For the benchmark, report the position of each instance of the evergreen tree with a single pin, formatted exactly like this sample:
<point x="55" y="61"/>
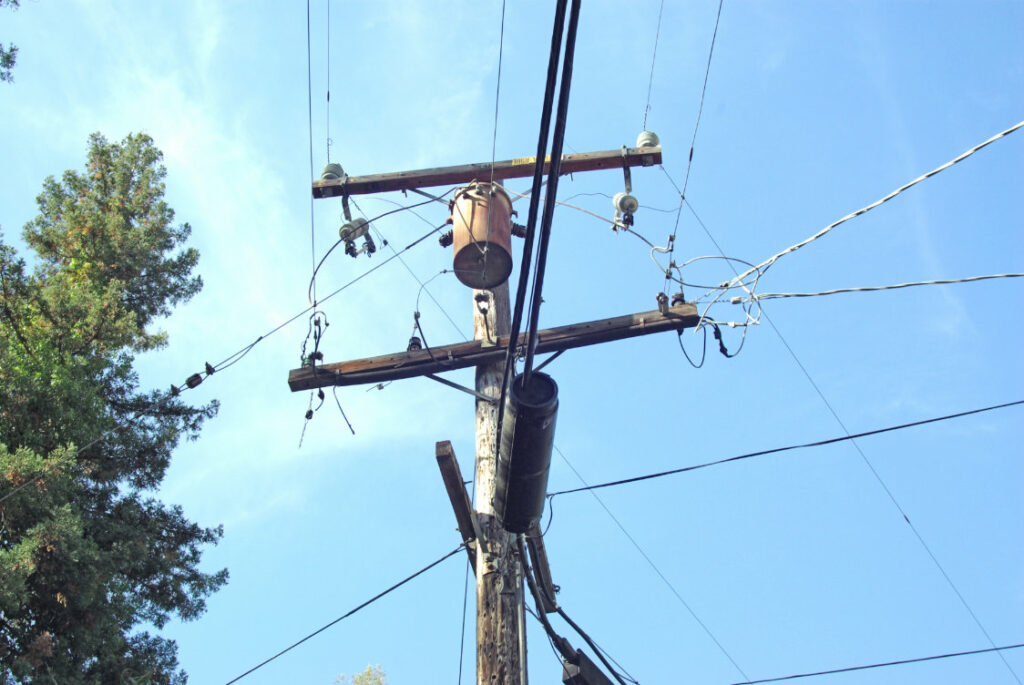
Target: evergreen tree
<point x="9" y="54"/>
<point x="88" y="557"/>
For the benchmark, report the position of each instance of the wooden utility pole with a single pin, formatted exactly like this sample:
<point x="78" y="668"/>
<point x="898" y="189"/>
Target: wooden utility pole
<point x="499" y="594"/>
<point x="500" y="631"/>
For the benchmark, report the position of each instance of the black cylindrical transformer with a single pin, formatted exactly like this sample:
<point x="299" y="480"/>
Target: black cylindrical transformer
<point x="524" y="458"/>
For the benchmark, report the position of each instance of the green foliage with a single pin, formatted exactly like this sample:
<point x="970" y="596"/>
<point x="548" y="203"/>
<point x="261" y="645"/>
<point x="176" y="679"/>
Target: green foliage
<point x="86" y="556"/>
<point x="8" y="54"/>
<point x="373" y="675"/>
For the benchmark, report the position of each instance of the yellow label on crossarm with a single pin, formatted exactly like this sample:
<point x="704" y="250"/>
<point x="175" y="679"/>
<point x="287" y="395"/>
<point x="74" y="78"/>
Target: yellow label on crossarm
<point x="528" y="160"/>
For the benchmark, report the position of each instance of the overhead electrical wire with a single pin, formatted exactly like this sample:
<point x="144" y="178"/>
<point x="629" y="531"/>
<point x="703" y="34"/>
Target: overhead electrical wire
<point x="347" y="614"/>
<point x="309" y="96"/>
<point x="497" y="95"/>
<point x="700" y="106"/>
<point x="776" y="450"/>
<point x="654" y="56"/>
<point x="763" y="266"/>
<point x="869" y="289"/>
<point x="560" y="643"/>
<point x="237" y="356"/>
<point x="882" y="664"/>
<point x="422" y="284"/>
<point x="758" y="269"/>
<point x="895" y="502"/>
<point x="312" y="280"/>
<point x="328" y="106"/>
<point x="693" y="139"/>
<point x="650" y="562"/>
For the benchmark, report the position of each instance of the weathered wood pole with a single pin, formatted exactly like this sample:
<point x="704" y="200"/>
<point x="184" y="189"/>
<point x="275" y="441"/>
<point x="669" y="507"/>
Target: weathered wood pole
<point x="498" y="574"/>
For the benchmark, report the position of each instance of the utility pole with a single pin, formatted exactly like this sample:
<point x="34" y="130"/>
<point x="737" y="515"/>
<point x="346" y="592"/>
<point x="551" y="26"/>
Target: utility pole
<point x="494" y="552"/>
<point x="499" y="596"/>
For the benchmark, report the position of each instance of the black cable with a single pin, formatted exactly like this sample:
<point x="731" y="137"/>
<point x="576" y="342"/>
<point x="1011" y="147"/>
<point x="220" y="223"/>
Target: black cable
<point x="554" y="170"/>
<point x="654" y="567"/>
<point x="899" y="507"/>
<point x="835" y="415"/>
<point x="704" y="348"/>
<point x="881" y="664"/>
<point x="346" y="615"/>
<point x="237" y="356"/>
<point x="561" y="643"/>
<point x="550" y="359"/>
<point x="423" y="284"/>
<point x="818" y="443"/>
<point x="312" y="280"/>
<point x="586" y="638"/>
<point x="334" y="389"/>
<point x="531" y="220"/>
<point x="551" y="643"/>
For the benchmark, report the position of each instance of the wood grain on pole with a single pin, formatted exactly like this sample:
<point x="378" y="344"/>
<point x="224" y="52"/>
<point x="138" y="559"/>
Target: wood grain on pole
<point x="497" y="573"/>
<point x="465" y="173"/>
<point x="398" y="365"/>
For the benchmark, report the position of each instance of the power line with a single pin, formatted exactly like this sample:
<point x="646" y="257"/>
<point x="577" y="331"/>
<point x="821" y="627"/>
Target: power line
<point x="349" y="613"/>
<point x="763" y="266"/>
<point x="497" y="97"/>
<point x="882" y="664"/>
<point x="328" y="125"/>
<point x="312" y="281"/>
<point x="693" y="140"/>
<point x="237" y="356"/>
<point x="557" y="640"/>
<point x="892" y="497"/>
<point x="856" y="446"/>
<point x="422" y="284"/>
<point x="700" y="107"/>
<point x="309" y="97"/>
<point x="654" y="56"/>
<point x="868" y="289"/>
<point x="775" y="450"/>
<point x="648" y="559"/>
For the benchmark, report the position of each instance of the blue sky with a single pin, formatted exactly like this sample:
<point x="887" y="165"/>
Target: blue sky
<point x="794" y="562"/>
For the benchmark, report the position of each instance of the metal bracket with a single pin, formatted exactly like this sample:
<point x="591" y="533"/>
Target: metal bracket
<point x="453" y="384"/>
<point x="625" y="170"/>
<point x="344" y="202"/>
<point x="432" y="197"/>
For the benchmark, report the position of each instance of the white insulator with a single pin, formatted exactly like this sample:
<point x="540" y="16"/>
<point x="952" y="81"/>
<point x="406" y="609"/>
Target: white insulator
<point x="353" y="229"/>
<point x="332" y="172"/>
<point x="647" y="139"/>
<point x="625" y="203"/>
